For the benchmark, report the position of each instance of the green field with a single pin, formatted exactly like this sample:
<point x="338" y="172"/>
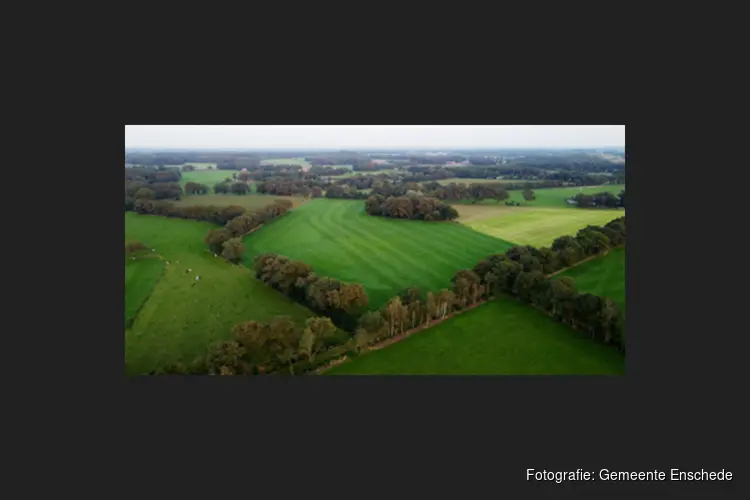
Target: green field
<point x="503" y="337"/>
<point x="141" y="275"/>
<point x="531" y="225"/>
<point x="249" y="201"/>
<point x="179" y="321"/>
<point x="208" y="177"/>
<point x="604" y="276"/>
<point x="385" y="255"/>
<point x="285" y="161"/>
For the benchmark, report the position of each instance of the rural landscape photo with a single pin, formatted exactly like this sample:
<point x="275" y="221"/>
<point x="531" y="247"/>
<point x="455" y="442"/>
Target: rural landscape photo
<point x="374" y="250"/>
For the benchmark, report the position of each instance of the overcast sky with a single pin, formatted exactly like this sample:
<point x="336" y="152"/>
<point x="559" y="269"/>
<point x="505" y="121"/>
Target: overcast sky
<point x="373" y="136"/>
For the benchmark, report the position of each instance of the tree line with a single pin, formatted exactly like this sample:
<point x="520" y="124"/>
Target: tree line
<point x="410" y="207"/>
<point x="342" y="302"/>
<point x="605" y="199"/>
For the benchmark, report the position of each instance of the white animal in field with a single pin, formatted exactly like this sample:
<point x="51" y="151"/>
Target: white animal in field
<point x="197" y="278"/>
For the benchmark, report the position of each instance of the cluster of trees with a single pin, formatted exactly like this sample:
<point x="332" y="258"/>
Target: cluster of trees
<point x="196" y="188"/>
<point x="227" y="187"/>
<point x="285" y="187"/>
<point x="258" y="348"/>
<point x="410" y="207"/>
<point x="342" y="302"/>
<point x="188" y="168"/>
<point x="605" y="199"/>
<point x="151" y="175"/>
<point x="152" y="184"/>
<point x="156" y="191"/>
<point x="327" y="171"/>
<point x="345" y="192"/>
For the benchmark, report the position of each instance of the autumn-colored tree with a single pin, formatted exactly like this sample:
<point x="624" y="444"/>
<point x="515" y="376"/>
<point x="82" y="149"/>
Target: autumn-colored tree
<point x="229" y="355"/>
<point x="430" y="307"/>
<point x="216" y="238"/>
<point x="396" y="316"/>
<point x="284" y="341"/>
<point x="317" y="331"/>
<point x="352" y="297"/>
<point x="252" y="335"/>
<point x="233" y="250"/>
<point x="444" y="301"/>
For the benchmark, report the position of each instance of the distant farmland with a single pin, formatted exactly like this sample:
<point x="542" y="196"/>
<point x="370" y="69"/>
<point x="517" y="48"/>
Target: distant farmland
<point x="208" y="177"/>
<point x="286" y="161"/>
<point x="532" y="226"/>
<point x="385" y="255"/>
<point x="502" y="337"/>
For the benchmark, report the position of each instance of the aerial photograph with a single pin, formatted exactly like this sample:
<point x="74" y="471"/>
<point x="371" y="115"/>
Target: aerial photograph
<point x="298" y="250"/>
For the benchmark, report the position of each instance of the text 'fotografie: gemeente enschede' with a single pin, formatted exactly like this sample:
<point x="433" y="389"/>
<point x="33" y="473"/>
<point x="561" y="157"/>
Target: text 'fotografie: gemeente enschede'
<point x="610" y="475"/>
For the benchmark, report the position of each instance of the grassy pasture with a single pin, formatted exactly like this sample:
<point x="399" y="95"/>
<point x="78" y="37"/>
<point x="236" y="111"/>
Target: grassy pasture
<point x="179" y="321"/>
<point x="531" y="225"/>
<point x="208" y="177"/>
<point x="249" y="201"/>
<point x="502" y="337"/>
<point x="604" y="276"/>
<point x="385" y="255"/>
<point x="141" y="275"/>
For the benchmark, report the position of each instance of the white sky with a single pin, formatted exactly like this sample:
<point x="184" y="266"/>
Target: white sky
<point x="373" y="136"/>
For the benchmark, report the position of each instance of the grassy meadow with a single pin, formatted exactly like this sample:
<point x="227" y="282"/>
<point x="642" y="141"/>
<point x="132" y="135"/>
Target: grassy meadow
<point x="385" y="255"/>
<point x="604" y="276"/>
<point x="502" y="337"/>
<point x="531" y="225"/>
<point x="141" y="275"/>
<point x="182" y="317"/>
<point x="208" y="177"/>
